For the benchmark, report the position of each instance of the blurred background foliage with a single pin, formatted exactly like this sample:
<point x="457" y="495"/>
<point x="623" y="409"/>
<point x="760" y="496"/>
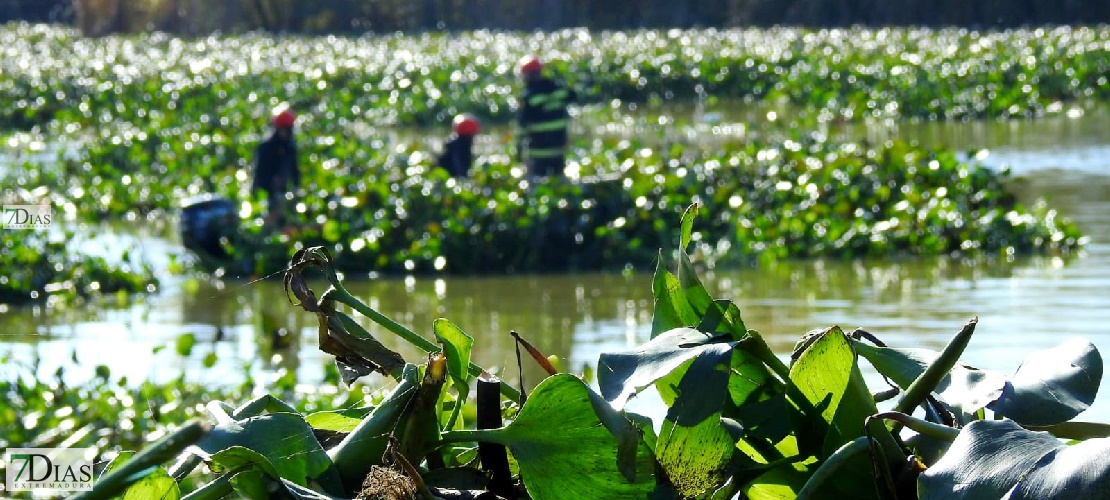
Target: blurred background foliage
<point x="191" y="17"/>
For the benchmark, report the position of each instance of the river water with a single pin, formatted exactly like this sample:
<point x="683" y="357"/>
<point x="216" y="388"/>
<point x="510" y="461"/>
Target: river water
<point x="1022" y="305"/>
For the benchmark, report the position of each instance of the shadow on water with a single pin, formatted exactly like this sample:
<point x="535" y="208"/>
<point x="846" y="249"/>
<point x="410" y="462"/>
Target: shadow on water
<point x="1022" y="304"/>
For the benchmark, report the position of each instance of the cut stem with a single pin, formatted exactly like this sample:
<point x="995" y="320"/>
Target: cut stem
<point x="495" y="458"/>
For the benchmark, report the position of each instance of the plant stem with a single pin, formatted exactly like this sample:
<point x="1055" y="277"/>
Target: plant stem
<point x="923" y="427"/>
<point x="340" y="294"/>
<point x="829" y="468"/>
<point x="928" y="380"/>
<point x="472" y="436"/>
<point x="215" y="490"/>
<point x="118" y="480"/>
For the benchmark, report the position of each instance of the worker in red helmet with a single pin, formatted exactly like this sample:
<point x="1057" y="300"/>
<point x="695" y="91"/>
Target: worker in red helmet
<point x="276" y="172"/>
<point x="543" y="120"/>
<point x="457" y="155"/>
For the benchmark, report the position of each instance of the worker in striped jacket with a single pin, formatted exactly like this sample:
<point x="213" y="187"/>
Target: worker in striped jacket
<point x="543" y="121"/>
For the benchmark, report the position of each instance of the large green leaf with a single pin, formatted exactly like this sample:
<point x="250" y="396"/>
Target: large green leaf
<point x="255" y="476"/>
<point x="693" y="447"/>
<point x="157" y="485"/>
<point x="285" y="439"/>
<point x="827" y="374"/>
<point x="996" y="458"/>
<point x="1078" y="471"/>
<point x="965" y="389"/>
<point x="344" y="420"/>
<point x="1052" y="385"/>
<point x="559" y="421"/>
<point x="621" y="375"/>
<point x="253" y="473"/>
<point x="822" y="373"/>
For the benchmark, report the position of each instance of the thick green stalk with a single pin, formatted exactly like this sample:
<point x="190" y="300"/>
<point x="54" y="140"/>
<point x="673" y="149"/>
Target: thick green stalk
<point x="215" y="490"/>
<point x="473" y="436"/>
<point x="829" y="468"/>
<point x="118" y="480"/>
<point x="928" y="380"/>
<point x="340" y="294"/>
<point x="923" y="427"/>
<point x="364" y="445"/>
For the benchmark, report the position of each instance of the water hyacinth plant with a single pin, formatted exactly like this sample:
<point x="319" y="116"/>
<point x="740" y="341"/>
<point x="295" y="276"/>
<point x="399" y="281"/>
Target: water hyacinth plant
<point x="129" y="126"/>
<point x="738" y="420"/>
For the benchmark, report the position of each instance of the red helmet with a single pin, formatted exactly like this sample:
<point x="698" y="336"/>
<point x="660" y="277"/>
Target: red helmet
<point x="285" y="118"/>
<point x="466" y="124"/>
<point x="530" y="64"/>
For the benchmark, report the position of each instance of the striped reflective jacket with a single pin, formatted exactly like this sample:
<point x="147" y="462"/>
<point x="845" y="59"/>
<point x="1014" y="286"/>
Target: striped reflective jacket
<point x="543" y="118"/>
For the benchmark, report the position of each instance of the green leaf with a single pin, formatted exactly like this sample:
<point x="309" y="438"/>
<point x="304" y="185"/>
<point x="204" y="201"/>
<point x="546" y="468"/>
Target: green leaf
<point x="265" y="403"/>
<point x="827" y="374"/>
<point x="1052" y="385"/>
<point x="456" y="346"/>
<point x="184" y="344"/>
<point x="723" y="316"/>
<point x="252" y="472"/>
<point x="822" y="374"/>
<point x="234" y="457"/>
<point x="338" y="420"/>
<point x="251" y="484"/>
<point x="780" y="483"/>
<point x="693" y="447"/>
<point x="672" y="309"/>
<point x="965" y="389"/>
<point x="621" y="375"/>
<point x="688" y="217"/>
<point x="1081" y="470"/>
<point x="547" y="439"/>
<point x="330" y="231"/>
<point x="995" y="458"/>
<point x="157" y="485"/>
<point x="749" y="375"/>
<point x="285" y="439"/>
<point x="693" y="290"/>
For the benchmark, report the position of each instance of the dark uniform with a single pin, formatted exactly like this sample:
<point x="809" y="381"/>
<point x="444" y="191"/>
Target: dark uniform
<point x="457" y="155"/>
<point x="276" y="171"/>
<point x="543" y="120"/>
